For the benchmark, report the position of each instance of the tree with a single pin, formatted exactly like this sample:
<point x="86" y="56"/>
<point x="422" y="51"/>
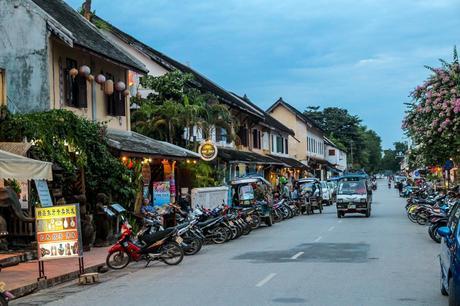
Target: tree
<point x="176" y="106"/>
<point x="345" y="130"/>
<point x="433" y="116"/>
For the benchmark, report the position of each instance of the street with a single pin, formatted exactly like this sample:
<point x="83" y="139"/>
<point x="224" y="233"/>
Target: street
<point x="307" y="260"/>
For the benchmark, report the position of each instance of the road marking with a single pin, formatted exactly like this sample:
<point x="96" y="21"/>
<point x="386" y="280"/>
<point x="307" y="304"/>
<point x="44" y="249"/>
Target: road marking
<point x="297" y="255"/>
<point x="266" y="280"/>
<point x="331" y="228"/>
<point x="317" y="239"/>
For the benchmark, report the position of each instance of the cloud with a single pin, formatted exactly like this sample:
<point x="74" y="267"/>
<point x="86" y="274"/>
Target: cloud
<point x="366" y="55"/>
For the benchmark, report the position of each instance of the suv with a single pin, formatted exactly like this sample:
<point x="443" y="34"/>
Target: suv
<point x="353" y="196"/>
<point x="450" y="257"/>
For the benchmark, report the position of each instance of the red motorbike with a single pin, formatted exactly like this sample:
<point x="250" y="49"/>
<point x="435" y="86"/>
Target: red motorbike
<point x="162" y="246"/>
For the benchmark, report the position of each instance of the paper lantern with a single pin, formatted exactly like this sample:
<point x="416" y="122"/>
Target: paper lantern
<point x="108" y="88"/>
<point x="126" y="92"/>
<point x="73" y="72"/>
<point x="84" y="71"/>
<point x="90" y="78"/>
<point x="100" y="79"/>
<point x="120" y="86"/>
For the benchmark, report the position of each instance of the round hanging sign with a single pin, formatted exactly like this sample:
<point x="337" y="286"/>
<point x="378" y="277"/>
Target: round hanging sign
<point x="207" y="151"/>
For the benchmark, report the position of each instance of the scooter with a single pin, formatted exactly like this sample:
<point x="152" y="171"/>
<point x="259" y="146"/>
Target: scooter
<point x="163" y="246"/>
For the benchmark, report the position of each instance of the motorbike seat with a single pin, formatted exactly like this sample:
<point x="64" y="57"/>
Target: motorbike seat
<point x="207" y="222"/>
<point x="157" y="236"/>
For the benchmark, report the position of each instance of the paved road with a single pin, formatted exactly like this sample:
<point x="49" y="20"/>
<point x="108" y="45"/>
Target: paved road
<point x="308" y="260"/>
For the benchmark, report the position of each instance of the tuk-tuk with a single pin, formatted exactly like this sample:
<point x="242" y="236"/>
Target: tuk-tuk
<point x="310" y="191"/>
<point x="254" y="191"/>
<point x="354" y="195"/>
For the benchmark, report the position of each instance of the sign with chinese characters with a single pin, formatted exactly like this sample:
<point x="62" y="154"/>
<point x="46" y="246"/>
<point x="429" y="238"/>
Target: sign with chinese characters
<point x="43" y="193"/>
<point x="207" y="150"/>
<point x="58" y="232"/>
<point x="161" y="193"/>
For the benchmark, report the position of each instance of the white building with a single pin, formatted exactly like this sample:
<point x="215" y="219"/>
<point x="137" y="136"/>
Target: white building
<point x="336" y="158"/>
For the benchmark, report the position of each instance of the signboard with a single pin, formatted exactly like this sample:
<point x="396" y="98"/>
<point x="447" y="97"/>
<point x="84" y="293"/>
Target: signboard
<point x="161" y="193"/>
<point x="43" y="193"/>
<point x="24" y="196"/>
<point x="58" y="232"/>
<point x="207" y="150"/>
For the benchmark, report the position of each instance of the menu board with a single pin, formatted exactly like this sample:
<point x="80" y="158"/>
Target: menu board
<point x="58" y="232"/>
<point x="43" y="193"/>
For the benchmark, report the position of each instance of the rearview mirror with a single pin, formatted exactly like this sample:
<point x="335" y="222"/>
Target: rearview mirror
<point x="444" y="231"/>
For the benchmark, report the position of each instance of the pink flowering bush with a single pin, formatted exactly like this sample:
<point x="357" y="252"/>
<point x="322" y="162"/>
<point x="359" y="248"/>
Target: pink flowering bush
<point x="433" y="117"/>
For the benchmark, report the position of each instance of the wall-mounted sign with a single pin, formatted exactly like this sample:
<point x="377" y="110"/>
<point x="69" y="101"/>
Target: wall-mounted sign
<point x="207" y="150"/>
<point x="58" y="232"/>
<point x="43" y="193"/>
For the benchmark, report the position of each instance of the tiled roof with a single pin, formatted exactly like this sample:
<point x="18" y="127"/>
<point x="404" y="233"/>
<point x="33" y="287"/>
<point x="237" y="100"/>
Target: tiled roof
<point x="85" y="34"/>
<point x="234" y="156"/>
<point x="268" y="119"/>
<point x="294" y="110"/>
<point x="132" y="142"/>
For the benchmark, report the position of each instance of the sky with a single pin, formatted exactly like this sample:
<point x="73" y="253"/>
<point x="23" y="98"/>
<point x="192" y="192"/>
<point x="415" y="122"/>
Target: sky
<point x="362" y="55"/>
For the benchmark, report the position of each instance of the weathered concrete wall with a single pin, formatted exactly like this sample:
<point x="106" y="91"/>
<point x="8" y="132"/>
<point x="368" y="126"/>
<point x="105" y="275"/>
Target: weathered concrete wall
<point x="24" y="56"/>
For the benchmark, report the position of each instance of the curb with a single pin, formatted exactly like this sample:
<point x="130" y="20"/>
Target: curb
<point x="17" y="259"/>
<point x="50" y="282"/>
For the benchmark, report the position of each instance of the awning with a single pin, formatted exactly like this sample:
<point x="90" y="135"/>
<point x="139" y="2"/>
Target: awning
<point x="133" y="143"/>
<point x="291" y="162"/>
<point x="18" y="167"/>
<point x="236" y="157"/>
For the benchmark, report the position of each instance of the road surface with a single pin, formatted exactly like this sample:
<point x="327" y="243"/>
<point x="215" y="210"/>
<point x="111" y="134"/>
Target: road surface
<point x="308" y="260"/>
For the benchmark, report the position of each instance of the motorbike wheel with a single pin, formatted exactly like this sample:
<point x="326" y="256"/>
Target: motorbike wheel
<point x="219" y="235"/>
<point x="285" y="212"/>
<point x="171" y="253"/>
<point x="195" y="245"/>
<point x="412" y="217"/>
<point x="255" y="221"/>
<point x="433" y="231"/>
<point x="421" y="219"/>
<point x="277" y="216"/>
<point x="247" y="229"/>
<point x="117" y="260"/>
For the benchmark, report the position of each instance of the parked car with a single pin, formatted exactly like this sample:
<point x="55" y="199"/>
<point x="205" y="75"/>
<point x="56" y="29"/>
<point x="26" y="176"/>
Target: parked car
<point x="450" y="257"/>
<point x="353" y="196"/>
<point x="327" y="193"/>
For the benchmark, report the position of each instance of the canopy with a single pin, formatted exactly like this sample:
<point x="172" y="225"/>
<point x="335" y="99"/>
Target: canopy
<point x="18" y="167"/>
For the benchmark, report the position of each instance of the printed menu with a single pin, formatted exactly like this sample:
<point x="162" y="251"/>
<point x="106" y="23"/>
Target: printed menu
<point x="58" y="232"/>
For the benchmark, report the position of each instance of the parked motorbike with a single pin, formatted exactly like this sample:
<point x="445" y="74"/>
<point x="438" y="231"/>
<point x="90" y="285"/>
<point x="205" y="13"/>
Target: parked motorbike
<point x="162" y="246"/>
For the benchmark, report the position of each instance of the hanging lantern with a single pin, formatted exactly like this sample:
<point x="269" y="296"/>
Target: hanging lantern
<point x="84" y="71"/>
<point x="90" y="78"/>
<point x="108" y="88"/>
<point x="73" y="72"/>
<point x="120" y="86"/>
<point x="126" y="92"/>
<point x="100" y="79"/>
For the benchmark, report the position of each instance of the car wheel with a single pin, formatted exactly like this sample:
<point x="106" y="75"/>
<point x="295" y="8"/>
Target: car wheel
<point x="452" y="294"/>
<point x="368" y="213"/>
<point x="339" y="214"/>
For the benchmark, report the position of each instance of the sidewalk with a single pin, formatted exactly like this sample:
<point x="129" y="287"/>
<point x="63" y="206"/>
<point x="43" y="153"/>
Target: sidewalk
<point x="22" y="279"/>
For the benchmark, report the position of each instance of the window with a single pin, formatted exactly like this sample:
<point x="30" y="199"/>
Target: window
<point x="331" y="152"/>
<point x="243" y="136"/>
<point x="2" y="87"/>
<point x="221" y="135"/>
<point x="286" y="146"/>
<point x="256" y="143"/>
<point x="75" y="88"/>
<point x="279" y="144"/>
<point x="265" y="141"/>
<point x="116" y="104"/>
